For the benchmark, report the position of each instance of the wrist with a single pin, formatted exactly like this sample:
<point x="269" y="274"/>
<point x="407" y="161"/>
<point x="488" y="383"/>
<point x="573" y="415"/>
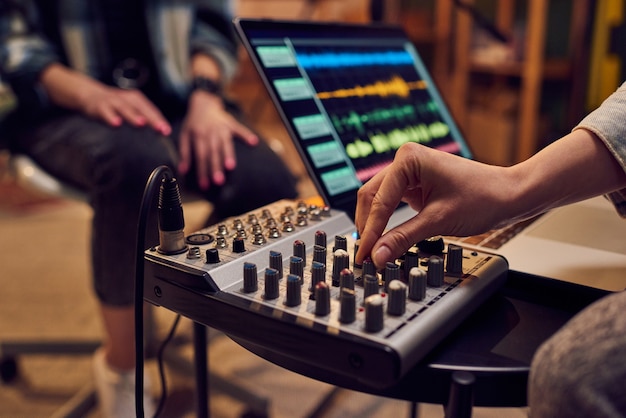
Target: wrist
<point x="208" y="85"/>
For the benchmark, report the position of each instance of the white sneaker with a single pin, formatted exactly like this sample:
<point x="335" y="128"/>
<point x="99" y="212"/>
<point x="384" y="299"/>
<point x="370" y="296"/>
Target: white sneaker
<point x="116" y="390"/>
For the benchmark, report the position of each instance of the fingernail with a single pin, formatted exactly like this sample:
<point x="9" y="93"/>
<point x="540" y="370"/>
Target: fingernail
<point x="382" y="255"/>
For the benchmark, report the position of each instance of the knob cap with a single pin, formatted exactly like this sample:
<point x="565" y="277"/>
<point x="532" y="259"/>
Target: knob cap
<point x="212" y="256"/>
<point x="346" y="279"/>
<point x="294" y="290"/>
<point x="239" y="245"/>
<point x="454" y="262"/>
<point x="341" y="261"/>
<point x="417" y="284"/>
<point x="396" y="301"/>
<point x="250" y="278"/>
<point x="374" y="320"/>
<point x="434" y="245"/>
<point x="271" y="284"/>
<point x="276" y="262"/>
<point x="299" y="250"/>
<point x="322" y="299"/>
<point x="296" y="267"/>
<point x="370" y="285"/>
<point x="318" y="275"/>
<point x="347" y="302"/>
<point x="435" y="273"/>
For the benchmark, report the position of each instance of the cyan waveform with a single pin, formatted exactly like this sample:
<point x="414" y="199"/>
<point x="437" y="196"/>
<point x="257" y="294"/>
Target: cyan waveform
<point x="383" y="142"/>
<point x="396" y="86"/>
<point x="352" y="59"/>
<point x="400" y="113"/>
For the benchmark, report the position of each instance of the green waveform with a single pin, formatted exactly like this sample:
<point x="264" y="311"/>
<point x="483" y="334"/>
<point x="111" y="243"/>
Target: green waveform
<point x="381" y="143"/>
<point x="401" y="114"/>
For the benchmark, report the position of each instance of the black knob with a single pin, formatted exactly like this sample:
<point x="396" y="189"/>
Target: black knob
<point x="271" y="284"/>
<point x="250" y="278"/>
<point x="417" y="284"/>
<point x="318" y="275"/>
<point x="299" y="250"/>
<point x="239" y="245"/>
<point x="294" y="290"/>
<point x="320" y="238"/>
<point x="322" y="299"/>
<point x="276" y="262"/>
<point x="454" y="262"/>
<point x="396" y="301"/>
<point x="347" y="306"/>
<point x="435" y="273"/>
<point x="212" y="256"/>
<point x="341" y="260"/>
<point x="346" y="279"/>
<point x="296" y="267"/>
<point x="434" y="245"/>
<point x="370" y="285"/>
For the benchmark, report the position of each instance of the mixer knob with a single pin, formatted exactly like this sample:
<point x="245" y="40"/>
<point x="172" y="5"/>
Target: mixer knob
<point x="237" y="224"/>
<point x="341" y="243"/>
<point x="391" y="272"/>
<point x="322" y="299"/>
<point x="271" y="284"/>
<point x="325" y="211"/>
<point x="212" y="256"/>
<point x="347" y="306"/>
<point x="411" y="259"/>
<point x="320" y="238"/>
<point x="250" y="278"/>
<point x="299" y="250"/>
<point x="270" y="223"/>
<point x="370" y="285"/>
<point x="294" y="290"/>
<point x="346" y="279"/>
<point x="241" y="233"/>
<point x="396" y="302"/>
<point x="220" y="242"/>
<point x="318" y="275"/>
<point x="239" y="245"/>
<point x="319" y="254"/>
<point x="296" y="267"/>
<point x="252" y="219"/>
<point x="368" y="267"/>
<point x="256" y="229"/>
<point x="276" y="262"/>
<point x="454" y="263"/>
<point x="417" y="284"/>
<point x="341" y="261"/>
<point x="435" y="273"/>
<point x="374" y="320"/>
<point x="434" y="245"/>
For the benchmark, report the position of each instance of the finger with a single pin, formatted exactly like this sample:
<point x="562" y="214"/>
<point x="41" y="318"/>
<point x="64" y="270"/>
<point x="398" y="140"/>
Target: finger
<point x="152" y="115"/>
<point x="243" y="132"/>
<point x="230" y="157"/>
<point x="219" y="139"/>
<point x="184" y="149"/>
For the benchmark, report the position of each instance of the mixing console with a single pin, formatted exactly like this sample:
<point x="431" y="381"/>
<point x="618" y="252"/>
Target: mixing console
<point x="283" y="278"/>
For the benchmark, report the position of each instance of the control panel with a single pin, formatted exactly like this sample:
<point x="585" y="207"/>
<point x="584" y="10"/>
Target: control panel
<point x="283" y="279"/>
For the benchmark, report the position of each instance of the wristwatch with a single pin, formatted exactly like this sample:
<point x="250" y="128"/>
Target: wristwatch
<point x="206" y="84"/>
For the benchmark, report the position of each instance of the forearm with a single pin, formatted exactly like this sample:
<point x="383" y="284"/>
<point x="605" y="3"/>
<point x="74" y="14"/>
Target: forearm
<point x="576" y="167"/>
<point x="68" y="88"/>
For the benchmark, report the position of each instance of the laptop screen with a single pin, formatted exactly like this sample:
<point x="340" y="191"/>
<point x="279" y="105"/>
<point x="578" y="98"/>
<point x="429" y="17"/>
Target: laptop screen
<point x="350" y="95"/>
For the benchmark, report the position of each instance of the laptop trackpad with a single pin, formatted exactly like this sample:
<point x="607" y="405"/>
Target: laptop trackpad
<point x="592" y="226"/>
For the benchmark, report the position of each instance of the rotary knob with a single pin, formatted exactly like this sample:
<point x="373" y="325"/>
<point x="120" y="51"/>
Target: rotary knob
<point x="396" y="301"/>
<point x="370" y="285"/>
<point x="276" y="262"/>
<point x="374" y="319"/>
<point x="212" y="256"/>
<point x="318" y="275"/>
<point x="435" y="273"/>
<point x="296" y="267"/>
<point x="346" y="279"/>
<point x="454" y="262"/>
<point x="322" y="299"/>
<point x="347" y="306"/>
<point x="271" y="284"/>
<point x="299" y="250"/>
<point x="250" y="278"/>
<point x="417" y="284"/>
<point x="294" y="291"/>
<point x="341" y="260"/>
<point x="434" y="245"/>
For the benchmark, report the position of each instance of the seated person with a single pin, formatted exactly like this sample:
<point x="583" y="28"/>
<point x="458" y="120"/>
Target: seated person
<point x="107" y="91"/>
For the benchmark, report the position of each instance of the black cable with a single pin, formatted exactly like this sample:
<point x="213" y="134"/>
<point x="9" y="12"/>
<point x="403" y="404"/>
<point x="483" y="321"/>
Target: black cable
<point x="146" y="203"/>
<point x="160" y="353"/>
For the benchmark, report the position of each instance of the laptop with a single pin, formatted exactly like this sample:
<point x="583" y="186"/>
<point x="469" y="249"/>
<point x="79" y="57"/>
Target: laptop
<point x="351" y="94"/>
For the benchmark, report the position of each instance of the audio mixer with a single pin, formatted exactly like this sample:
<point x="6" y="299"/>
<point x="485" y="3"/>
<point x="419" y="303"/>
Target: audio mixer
<point x="283" y="278"/>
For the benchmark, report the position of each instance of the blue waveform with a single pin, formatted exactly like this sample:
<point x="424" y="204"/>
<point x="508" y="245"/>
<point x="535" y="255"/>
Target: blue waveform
<point x="353" y="59"/>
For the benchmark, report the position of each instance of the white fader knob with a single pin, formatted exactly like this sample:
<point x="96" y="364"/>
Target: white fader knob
<point x="374" y="320"/>
<point x="396" y="303"/>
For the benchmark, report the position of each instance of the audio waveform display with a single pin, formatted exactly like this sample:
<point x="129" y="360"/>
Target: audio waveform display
<point x="396" y="86"/>
<point x="377" y="116"/>
<point x="384" y="142"/>
<point x="319" y="60"/>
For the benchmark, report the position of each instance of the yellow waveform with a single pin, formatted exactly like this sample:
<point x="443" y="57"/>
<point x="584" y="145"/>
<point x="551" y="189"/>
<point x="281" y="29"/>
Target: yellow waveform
<point x="396" y="86"/>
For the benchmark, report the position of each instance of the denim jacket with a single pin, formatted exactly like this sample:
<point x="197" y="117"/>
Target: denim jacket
<point x="608" y="122"/>
<point x="177" y="29"/>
